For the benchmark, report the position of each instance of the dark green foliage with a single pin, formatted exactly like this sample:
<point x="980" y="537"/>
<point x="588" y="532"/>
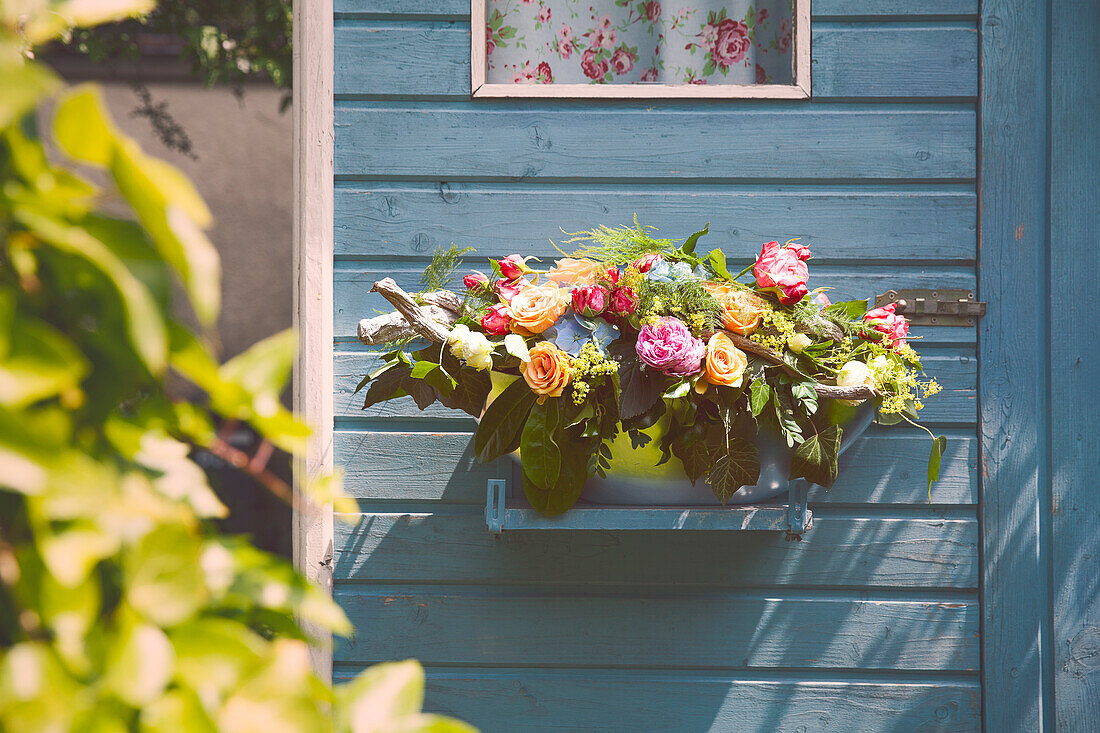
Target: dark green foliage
<point x="816" y="458"/>
<point x="499" y="430"/>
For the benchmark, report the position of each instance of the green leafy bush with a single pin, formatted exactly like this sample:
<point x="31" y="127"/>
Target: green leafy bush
<point x="121" y="607"/>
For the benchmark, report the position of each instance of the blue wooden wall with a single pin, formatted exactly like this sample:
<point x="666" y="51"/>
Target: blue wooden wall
<point x="872" y="622"/>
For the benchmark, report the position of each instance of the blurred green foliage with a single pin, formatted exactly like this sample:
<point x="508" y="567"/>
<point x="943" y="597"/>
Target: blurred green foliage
<point x="121" y="607"/>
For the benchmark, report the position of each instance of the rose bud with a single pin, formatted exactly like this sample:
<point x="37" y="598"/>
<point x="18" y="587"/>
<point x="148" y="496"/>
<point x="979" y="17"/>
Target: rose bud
<point x="474" y="281"/>
<point x="589" y="300"/>
<point x="496" y="322"/>
<point x="643" y="263"/>
<point x="798" y="342"/>
<point x="793" y="293"/>
<point x="512" y="267"/>
<point x="623" y="301"/>
<point x="612" y="275"/>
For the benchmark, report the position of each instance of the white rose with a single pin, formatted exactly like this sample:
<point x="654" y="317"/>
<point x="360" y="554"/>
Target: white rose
<point x="854" y="374"/>
<point x="457" y="339"/>
<point x="517" y="347"/>
<point x="479" y="352"/>
<point x="798" y="342"/>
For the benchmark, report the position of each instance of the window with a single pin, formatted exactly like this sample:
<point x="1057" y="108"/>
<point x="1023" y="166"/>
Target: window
<point x="641" y="48"/>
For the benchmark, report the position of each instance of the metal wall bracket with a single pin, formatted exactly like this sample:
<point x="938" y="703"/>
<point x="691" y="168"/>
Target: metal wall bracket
<point x="935" y="307"/>
<point x="494" y="505"/>
<point x="798" y="518"/>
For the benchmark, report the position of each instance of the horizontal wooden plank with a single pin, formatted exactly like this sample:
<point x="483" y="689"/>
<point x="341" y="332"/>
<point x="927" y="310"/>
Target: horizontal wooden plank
<point x="848" y="60"/>
<point x="887" y="467"/>
<point x="840" y="550"/>
<point x="639" y="700"/>
<point x="819" y="8"/>
<point x="725" y="629"/>
<point x="536" y="140"/>
<point x="354" y="279"/>
<point x="414" y="219"/>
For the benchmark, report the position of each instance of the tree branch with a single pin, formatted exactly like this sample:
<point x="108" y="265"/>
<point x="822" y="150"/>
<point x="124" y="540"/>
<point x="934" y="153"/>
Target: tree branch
<point x="418" y="318"/>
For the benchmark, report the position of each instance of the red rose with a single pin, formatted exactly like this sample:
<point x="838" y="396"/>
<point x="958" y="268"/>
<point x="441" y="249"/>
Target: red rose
<point x="592" y="68"/>
<point x="474" y="280"/>
<point x="543" y="74"/>
<point x="612" y="275"/>
<point x="508" y="288"/>
<point x="643" y="263"/>
<point x="589" y="300"/>
<point x="783" y="270"/>
<point x="496" y="322"/>
<point x="512" y="267"/>
<point x="652" y="11"/>
<point x="624" y="301"/>
<point x="894" y="326"/>
<point x="731" y="42"/>
<point x="622" y="61"/>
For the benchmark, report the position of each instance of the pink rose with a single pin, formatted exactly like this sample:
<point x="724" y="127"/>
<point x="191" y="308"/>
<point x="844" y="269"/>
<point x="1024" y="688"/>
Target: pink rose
<point x="784" y="270"/>
<point x="589" y="300"/>
<point x="474" y="280"/>
<point x="543" y="14"/>
<point x="643" y="263"/>
<point x="592" y="68"/>
<point x="496" y="322"/>
<point x="622" y="61"/>
<point x="508" y="288"/>
<point x="566" y="42"/>
<point x="543" y="74"/>
<point x="612" y="275"/>
<point x="730" y="43"/>
<point x="652" y="11"/>
<point x="821" y="299"/>
<point x="512" y="267"/>
<point x="650" y="74"/>
<point x="623" y="301"/>
<point x="669" y="347"/>
<point x="890" y="323"/>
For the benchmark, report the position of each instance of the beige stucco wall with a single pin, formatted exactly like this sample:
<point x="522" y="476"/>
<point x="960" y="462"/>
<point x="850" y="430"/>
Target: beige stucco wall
<point x="243" y="170"/>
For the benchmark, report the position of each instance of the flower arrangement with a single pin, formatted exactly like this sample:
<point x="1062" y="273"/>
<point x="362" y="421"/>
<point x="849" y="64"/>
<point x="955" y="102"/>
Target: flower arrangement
<point x="632" y="331"/>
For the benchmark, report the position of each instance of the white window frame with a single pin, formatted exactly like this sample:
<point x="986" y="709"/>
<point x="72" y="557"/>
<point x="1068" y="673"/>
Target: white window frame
<point x="799" y="88"/>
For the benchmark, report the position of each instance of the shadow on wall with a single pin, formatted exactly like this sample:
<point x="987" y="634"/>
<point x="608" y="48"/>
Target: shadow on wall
<point x="870" y="623"/>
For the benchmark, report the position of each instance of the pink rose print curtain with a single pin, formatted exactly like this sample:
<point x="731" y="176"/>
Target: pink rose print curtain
<point x="638" y="41"/>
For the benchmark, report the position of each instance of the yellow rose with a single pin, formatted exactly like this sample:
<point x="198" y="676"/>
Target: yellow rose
<point x="537" y="308"/>
<point x="571" y="271"/>
<point x="725" y="364"/>
<point x="547" y="372"/>
<point x="741" y="309"/>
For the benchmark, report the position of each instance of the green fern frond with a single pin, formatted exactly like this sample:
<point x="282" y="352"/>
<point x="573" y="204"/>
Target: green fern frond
<point x="619" y="245"/>
<point x="440" y="272"/>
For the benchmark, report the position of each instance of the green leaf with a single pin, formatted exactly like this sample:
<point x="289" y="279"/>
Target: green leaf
<point x="25" y="84"/>
<point x="40" y="362"/>
<point x="816" y="458"/>
<point x="734" y="462"/>
<point x="144" y="322"/>
<point x="541" y="455"/>
<point x="692" y="452"/>
<point x="688" y="247"/>
<point x="640" y="388"/>
<point x="718" y="264"/>
<point x="759" y="394"/>
<point x="847" y="310"/>
<point x="500" y="426"/>
<point x="139" y="664"/>
<point x="575" y="459"/>
<point x="939" y="445"/>
<point x="421" y="368"/>
<point x="162" y="577"/>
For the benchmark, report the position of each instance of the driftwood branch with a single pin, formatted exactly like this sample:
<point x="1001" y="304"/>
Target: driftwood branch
<point x="433" y="321"/>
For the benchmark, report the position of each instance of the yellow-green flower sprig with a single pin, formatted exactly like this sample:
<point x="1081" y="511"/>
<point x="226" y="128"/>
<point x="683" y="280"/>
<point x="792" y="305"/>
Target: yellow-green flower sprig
<point x="775" y="329"/>
<point x="590" y="366"/>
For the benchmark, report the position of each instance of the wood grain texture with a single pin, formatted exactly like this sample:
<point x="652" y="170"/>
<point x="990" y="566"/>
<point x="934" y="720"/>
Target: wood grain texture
<point x="818" y="8"/>
<point x="849" y="60"/>
<point x="482" y="625"/>
<point x="842" y="550"/>
<point x="313" y="283"/>
<point x="526" y="140"/>
<point x="398" y="220"/>
<point x="1014" y="350"/>
<point x="1075" y="379"/>
<point x="637" y="700"/>
<point x="429" y="464"/>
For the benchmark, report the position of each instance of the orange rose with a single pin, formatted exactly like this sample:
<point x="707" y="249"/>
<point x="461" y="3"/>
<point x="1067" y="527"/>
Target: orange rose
<point x="537" y="308"/>
<point x="547" y="372"/>
<point x="741" y="309"/>
<point x="725" y="364"/>
<point x="570" y="271"/>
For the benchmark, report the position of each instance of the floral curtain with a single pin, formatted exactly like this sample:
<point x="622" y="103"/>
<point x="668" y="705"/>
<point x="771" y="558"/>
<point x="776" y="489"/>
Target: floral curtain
<point x="638" y="41"/>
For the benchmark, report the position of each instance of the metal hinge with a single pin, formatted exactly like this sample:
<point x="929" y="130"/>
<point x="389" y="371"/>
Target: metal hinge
<point x="935" y="307"/>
